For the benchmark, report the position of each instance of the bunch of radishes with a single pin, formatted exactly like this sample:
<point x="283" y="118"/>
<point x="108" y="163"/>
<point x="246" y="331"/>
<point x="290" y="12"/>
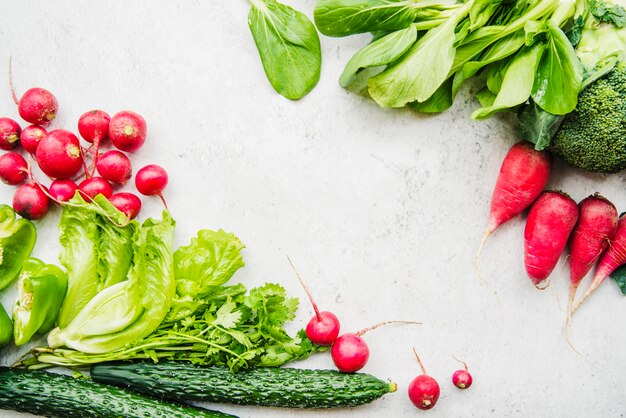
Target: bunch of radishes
<point x="591" y="227"/>
<point x="69" y="165"/>
<point x="350" y="352"/>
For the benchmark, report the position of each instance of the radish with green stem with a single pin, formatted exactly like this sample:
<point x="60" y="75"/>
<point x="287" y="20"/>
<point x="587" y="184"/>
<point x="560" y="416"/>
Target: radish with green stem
<point x="10" y="132"/>
<point x="596" y="227"/>
<point x="115" y="167"/>
<point x="462" y="378"/>
<point x="30" y="201"/>
<point x="59" y="154"/>
<point x="62" y="190"/>
<point x="423" y="390"/>
<point x="523" y="175"/>
<point x="13" y="169"/>
<point x="549" y="224"/>
<point x="127" y="203"/>
<point x="350" y="352"/>
<point x="151" y="181"/>
<point x="613" y="257"/>
<point x="31" y="136"/>
<point x="323" y="328"/>
<point x="127" y="131"/>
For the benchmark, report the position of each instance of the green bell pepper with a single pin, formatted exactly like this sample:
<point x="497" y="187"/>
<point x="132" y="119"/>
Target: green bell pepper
<point x="17" y="239"/>
<point x="6" y="327"/>
<point x="41" y="290"/>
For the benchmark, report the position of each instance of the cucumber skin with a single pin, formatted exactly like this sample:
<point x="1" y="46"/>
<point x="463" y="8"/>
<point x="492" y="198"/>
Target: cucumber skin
<point x="264" y="386"/>
<point x="57" y="396"/>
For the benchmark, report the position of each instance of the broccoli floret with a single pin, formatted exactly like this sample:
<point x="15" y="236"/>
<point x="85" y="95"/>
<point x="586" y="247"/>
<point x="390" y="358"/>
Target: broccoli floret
<point x="593" y="136"/>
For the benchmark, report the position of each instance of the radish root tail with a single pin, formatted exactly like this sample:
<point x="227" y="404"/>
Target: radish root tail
<point x="483" y="241"/>
<point x="380" y="324"/>
<point x="419" y="361"/>
<point x="11" y="81"/>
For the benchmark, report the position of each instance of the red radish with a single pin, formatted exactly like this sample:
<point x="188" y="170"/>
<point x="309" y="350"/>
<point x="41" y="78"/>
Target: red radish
<point x="9" y="134"/>
<point x="31" y="135"/>
<point x="523" y="175"/>
<point x="13" y="168"/>
<point x="323" y="328"/>
<point x="93" y="186"/>
<point x="596" y="227"/>
<point x="94" y="125"/>
<point x="614" y="257"/>
<point x="549" y="224"/>
<point x="62" y="190"/>
<point x="127" y="131"/>
<point x="151" y="180"/>
<point x="127" y="203"/>
<point x="114" y="166"/>
<point x="59" y="155"/>
<point x="30" y="201"/>
<point x="423" y="390"/>
<point x="462" y="379"/>
<point x="350" y="352"/>
<point x="38" y="106"/>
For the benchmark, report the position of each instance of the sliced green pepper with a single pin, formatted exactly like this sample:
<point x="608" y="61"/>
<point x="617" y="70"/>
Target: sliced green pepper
<point x="6" y="327"/>
<point x="17" y="239"/>
<point x="41" y="290"/>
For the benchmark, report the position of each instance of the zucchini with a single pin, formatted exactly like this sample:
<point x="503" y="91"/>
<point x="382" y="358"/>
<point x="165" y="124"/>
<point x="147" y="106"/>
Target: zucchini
<point x="55" y="395"/>
<point x="264" y="386"/>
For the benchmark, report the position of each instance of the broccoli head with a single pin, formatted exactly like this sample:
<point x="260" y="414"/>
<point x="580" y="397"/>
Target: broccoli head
<point x="593" y="136"/>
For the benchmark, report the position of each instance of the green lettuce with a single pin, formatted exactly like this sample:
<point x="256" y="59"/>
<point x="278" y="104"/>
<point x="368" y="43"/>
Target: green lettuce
<point x="201" y="268"/>
<point x="95" y="251"/>
<point x="131" y="309"/>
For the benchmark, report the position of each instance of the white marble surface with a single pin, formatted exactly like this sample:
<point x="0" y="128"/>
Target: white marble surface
<point x="381" y="210"/>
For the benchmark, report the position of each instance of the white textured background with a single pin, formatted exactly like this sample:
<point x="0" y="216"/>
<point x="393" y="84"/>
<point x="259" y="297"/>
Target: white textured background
<point x="381" y="210"/>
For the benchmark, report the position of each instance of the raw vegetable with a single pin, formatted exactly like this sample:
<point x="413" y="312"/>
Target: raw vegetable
<point x="127" y="131"/>
<point x="93" y="126"/>
<point x="151" y="181"/>
<point x="62" y="190"/>
<point x="55" y="395"/>
<point x="41" y="289"/>
<point x="37" y="106"/>
<point x="323" y="328"/>
<point x="423" y="389"/>
<point x="523" y="175"/>
<point x="596" y="227"/>
<point x="549" y="224"/>
<point x="13" y="168"/>
<point x="59" y="155"/>
<point x="613" y="257"/>
<point x="288" y="45"/>
<point x="114" y="166"/>
<point x="278" y="387"/>
<point x="31" y="135"/>
<point x="95" y="251"/>
<point x="127" y="203"/>
<point x="31" y="202"/>
<point x="93" y="186"/>
<point x="462" y="378"/>
<point x="9" y="134"/>
<point x="17" y="239"/>
<point x="6" y="327"/>
<point x="132" y="309"/>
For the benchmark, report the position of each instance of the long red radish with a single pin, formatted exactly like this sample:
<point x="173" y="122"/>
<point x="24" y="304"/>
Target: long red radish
<point x="323" y="328"/>
<point x="523" y="175"/>
<point x="549" y="224"/>
<point x="596" y="227"/>
<point x="423" y="390"/>
<point x="614" y="257"/>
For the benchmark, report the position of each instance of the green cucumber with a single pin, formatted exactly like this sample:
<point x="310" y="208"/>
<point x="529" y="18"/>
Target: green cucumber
<point x="55" y="395"/>
<point x="264" y="386"/>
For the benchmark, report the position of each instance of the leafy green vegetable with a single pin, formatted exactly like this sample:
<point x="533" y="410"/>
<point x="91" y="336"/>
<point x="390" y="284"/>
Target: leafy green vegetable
<point x="614" y="14"/>
<point x="95" y="251"/>
<point x="132" y="309"/>
<point x="288" y="45"/>
<point x="17" y="240"/>
<point x="201" y="268"/>
<point x="619" y="275"/>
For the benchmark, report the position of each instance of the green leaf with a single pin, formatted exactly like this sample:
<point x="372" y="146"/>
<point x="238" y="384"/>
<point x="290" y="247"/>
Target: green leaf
<point x="619" y="275"/>
<point x="348" y="17"/>
<point x="517" y="83"/>
<point x="380" y="52"/>
<point x="485" y="97"/>
<point x="227" y="317"/>
<point x="440" y="101"/>
<point x="614" y="14"/>
<point x="422" y="70"/>
<point x="288" y="45"/>
<point x="575" y="31"/>
<point x="559" y="77"/>
<point x="538" y="126"/>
